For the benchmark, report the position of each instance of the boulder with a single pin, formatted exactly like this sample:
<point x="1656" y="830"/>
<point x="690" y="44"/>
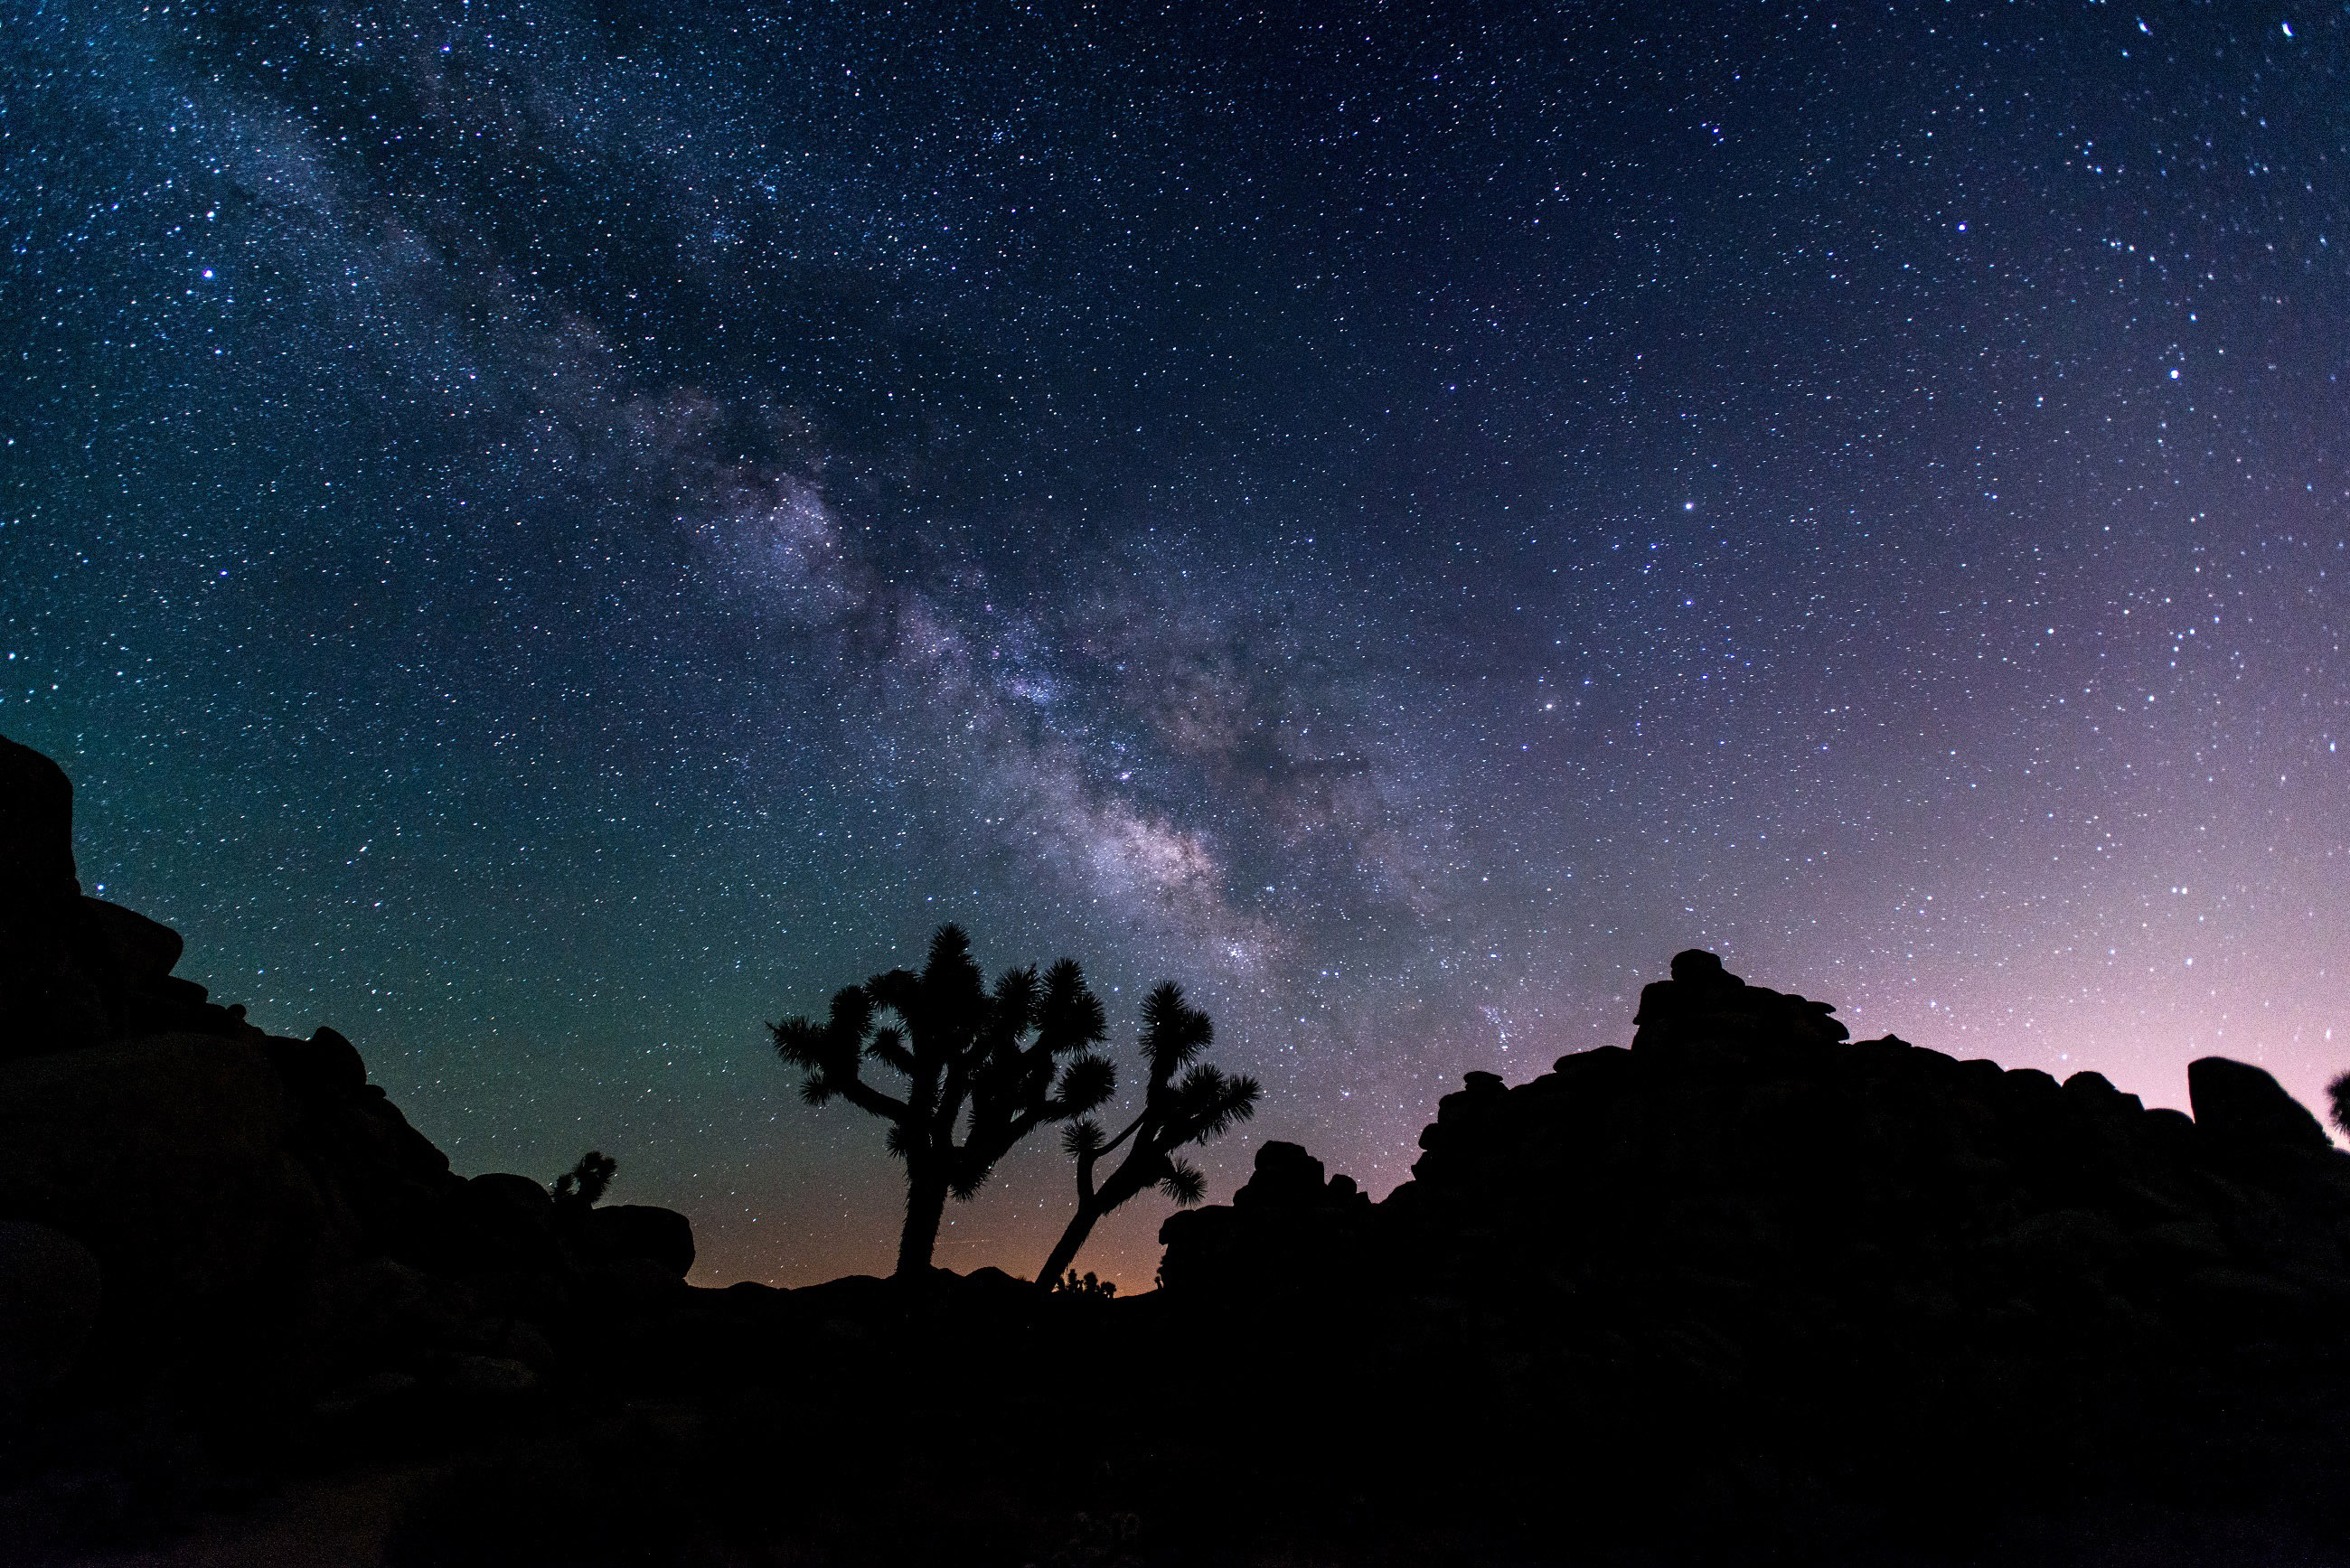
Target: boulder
<point x="1704" y="1000"/>
<point x="2237" y="1103"/>
<point x="514" y="1210"/>
<point x="1285" y="1176"/>
<point x="37" y="862"/>
<point x="1287" y="1229"/>
<point x="50" y="1291"/>
<point x="391" y="1176"/>
<point x="174" y="1160"/>
<point x="262" y="1216"/>
<point x="663" y="1236"/>
<point x="636" y="1284"/>
<point x="73" y="970"/>
<point x="47" y="1000"/>
<point x="142" y="951"/>
<point x="496" y="1224"/>
<point x="324" y="1068"/>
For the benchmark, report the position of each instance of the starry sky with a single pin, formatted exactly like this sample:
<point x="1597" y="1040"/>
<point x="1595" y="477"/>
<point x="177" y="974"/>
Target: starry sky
<point x="549" y="534"/>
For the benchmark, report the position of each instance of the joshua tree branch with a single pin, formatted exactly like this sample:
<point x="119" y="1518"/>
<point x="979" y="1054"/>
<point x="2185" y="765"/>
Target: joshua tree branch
<point x="1132" y="1128"/>
<point x="870" y="1100"/>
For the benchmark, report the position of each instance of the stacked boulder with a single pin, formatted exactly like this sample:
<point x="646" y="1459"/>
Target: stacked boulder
<point x="1742" y="1137"/>
<point x="1813" y="1255"/>
<point x="190" y="1203"/>
<point x="76" y="970"/>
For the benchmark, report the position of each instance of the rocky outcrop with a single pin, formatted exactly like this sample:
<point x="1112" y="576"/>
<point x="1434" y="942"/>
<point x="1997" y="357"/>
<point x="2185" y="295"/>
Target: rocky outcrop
<point x="175" y="1159"/>
<point x="238" y="1195"/>
<point x="2240" y="1105"/>
<point x="50" y="1290"/>
<point x="1703" y="1000"/>
<point x="1742" y="1136"/>
<point x="36" y="860"/>
<point x="76" y="970"/>
<point x="1288" y="1229"/>
<point x="1749" y="1235"/>
<point x="662" y="1237"/>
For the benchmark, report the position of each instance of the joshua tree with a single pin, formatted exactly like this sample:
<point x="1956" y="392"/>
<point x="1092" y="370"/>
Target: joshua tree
<point x="1176" y="1113"/>
<point x="2338" y="1093"/>
<point x="585" y="1182"/>
<point x="996" y="1064"/>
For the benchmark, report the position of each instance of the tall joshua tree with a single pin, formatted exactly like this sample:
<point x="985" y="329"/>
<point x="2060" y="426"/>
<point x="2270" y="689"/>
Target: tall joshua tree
<point x="1175" y="1114"/>
<point x="994" y="1065"/>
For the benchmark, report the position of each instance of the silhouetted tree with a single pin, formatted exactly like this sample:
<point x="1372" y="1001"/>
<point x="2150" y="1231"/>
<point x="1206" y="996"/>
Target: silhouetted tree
<point x="998" y="1065"/>
<point x="1176" y="1113"/>
<point x="1088" y="1285"/>
<point x="2338" y="1093"/>
<point x="585" y="1182"/>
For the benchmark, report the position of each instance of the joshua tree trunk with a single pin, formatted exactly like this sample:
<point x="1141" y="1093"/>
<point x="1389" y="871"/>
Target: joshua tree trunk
<point x="926" y="1200"/>
<point x="1065" y="1251"/>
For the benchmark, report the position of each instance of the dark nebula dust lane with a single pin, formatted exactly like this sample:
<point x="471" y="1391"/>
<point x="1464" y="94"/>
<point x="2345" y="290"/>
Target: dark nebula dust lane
<point x="550" y="534"/>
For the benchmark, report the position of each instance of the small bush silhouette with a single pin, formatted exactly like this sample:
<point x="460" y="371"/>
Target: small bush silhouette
<point x="2337" y="1098"/>
<point x="583" y="1185"/>
<point x="1086" y="1284"/>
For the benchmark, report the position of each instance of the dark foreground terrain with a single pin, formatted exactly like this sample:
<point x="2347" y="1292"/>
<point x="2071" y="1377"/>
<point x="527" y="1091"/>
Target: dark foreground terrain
<point x="1745" y="1292"/>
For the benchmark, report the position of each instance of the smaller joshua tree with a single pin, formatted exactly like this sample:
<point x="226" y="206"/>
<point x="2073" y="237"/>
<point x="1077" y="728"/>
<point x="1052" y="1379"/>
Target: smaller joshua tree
<point x="585" y="1182"/>
<point x="1175" y="1114"/>
<point x="2338" y="1094"/>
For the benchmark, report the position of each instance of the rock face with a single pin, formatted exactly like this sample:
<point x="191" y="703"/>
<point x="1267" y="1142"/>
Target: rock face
<point x="76" y="971"/>
<point x="173" y="1159"/>
<point x="1749" y="1233"/>
<point x="1742" y="1136"/>
<point x="37" y="862"/>
<point x="1703" y="1001"/>
<point x="1288" y="1229"/>
<point x="659" y="1236"/>
<point x="239" y="1194"/>
<point x="50" y="1291"/>
<point x="2239" y="1105"/>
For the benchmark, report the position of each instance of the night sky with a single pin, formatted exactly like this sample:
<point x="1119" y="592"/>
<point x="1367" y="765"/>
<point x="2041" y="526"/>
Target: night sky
<point x="548" y="535"/>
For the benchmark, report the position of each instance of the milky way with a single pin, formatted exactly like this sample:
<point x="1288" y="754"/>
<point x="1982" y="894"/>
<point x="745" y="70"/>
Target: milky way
<point x="548" y="535"/>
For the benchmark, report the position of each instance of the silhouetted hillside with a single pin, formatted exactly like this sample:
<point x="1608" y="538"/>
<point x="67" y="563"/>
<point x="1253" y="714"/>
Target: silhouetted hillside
<point x="1745" y="1290"/>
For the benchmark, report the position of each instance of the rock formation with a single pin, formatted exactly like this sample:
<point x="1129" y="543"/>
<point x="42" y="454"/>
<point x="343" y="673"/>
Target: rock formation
<point x="188" y="1201"/>
<point x="1742" y="1136"/>
<point x="1752" y="1248"/>
<point x="76" y="971"/>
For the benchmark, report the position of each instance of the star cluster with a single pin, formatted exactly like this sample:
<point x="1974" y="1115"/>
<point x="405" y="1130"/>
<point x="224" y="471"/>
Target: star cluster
<point x="550" y="534"/>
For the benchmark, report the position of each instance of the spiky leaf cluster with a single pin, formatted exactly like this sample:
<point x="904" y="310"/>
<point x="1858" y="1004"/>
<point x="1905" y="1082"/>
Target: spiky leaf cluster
<point x="1178" y="1111"/>
<point x="995" y="1063"/>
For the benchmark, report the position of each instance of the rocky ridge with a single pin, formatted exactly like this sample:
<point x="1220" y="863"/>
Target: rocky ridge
<point x="1743" y="1137"/>
<point x="1855" y="1289"/>
<point x="188" y="1203"/>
